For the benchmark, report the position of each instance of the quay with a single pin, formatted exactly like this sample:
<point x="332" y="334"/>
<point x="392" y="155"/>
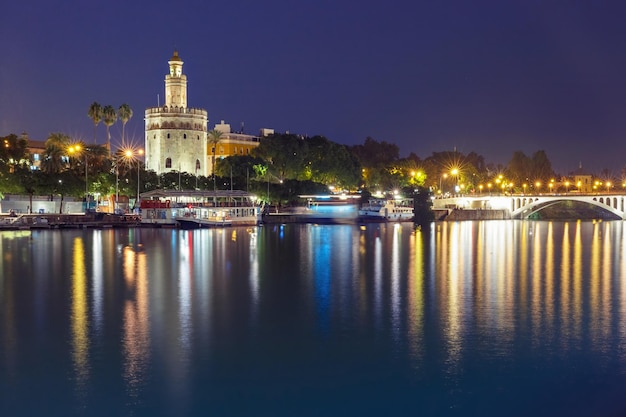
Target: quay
<point x="67" y="221"/>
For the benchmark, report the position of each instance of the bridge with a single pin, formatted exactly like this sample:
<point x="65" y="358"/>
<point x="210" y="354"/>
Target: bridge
<point x="521" y="206"/>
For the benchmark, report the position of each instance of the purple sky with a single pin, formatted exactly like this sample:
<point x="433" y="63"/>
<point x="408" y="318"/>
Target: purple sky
<point x="486" y="76"/>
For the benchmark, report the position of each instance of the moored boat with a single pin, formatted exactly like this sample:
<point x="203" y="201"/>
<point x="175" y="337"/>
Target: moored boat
<point x="199" y="209"/>
<point x="391" y="209"/>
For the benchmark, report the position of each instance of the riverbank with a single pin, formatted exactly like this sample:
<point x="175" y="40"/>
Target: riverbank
<point x="67" y="221"/>
<point x="105" y="220"/>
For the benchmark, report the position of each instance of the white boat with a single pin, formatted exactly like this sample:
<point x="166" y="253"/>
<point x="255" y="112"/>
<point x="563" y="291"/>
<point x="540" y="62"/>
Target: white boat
<point x="392" y="209"/>
<point x="199" y="209"/>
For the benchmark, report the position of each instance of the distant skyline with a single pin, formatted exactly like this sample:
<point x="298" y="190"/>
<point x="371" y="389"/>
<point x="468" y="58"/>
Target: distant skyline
<point x="491" y="77"/>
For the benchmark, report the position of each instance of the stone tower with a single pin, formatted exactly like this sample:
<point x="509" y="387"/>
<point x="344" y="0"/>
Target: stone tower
<point x="176" y="136"/>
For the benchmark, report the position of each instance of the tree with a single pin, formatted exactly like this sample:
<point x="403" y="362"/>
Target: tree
<point x="124" y="113"/>
<point x="109" y="117"/>
<point x="13" y="152"/>
<point x="56" y="146"/>
<point x="95" y="114"/>
<point x="331" y="163"/>
<point x="377" y="160"/>
<point x="285" y="155"/>
<point x="520" y="168"/>
<point x="214" y="137"/>
<point x="541" y="166"/>
<point x="422" y="207"/>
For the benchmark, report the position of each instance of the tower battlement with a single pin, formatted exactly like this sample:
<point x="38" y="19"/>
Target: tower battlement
<point x="176" y="109"/>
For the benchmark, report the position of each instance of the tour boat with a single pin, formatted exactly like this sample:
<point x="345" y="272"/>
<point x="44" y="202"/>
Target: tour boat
<point x="199" y="209"/>
<point x="392" y="209"/>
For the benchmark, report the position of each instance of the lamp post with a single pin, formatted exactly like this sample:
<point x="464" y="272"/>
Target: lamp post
<point x="454" y="172"/>
<point x="117" y="184"/>
<point x="77" y="149"/>
<point x="444" y="175"/>
<point x="135" y="154"/>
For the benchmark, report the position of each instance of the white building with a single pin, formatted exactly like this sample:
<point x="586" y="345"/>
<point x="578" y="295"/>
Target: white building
<point x="176" y="135"/>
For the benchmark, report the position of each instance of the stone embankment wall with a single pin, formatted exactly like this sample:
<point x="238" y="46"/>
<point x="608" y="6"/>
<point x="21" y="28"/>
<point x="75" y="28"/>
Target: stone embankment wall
<point x="462" y="214"/>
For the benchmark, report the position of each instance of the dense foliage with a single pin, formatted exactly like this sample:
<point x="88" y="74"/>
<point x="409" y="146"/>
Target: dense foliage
<point x="280" y="168"/>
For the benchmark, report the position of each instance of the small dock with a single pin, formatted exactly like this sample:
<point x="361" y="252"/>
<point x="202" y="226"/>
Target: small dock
<point x="67" y="221"/>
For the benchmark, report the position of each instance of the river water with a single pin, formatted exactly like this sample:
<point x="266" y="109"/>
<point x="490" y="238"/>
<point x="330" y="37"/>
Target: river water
<point x="493" y="318"/>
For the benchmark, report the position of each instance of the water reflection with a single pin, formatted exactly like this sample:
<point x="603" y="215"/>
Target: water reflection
<point x="79" y="317"/>
<point x="415" y="298"/>
<point x="191" y="316"/>
<point x="136" y="336"/>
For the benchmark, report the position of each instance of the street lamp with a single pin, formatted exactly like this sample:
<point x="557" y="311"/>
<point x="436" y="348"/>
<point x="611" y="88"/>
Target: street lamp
<point x="444" y="175"/>
<point x="77" y="149"/>
<point x="135" y="154"/>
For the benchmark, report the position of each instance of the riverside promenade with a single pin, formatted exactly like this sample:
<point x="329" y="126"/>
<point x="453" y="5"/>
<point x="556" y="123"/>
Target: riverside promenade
<point x="66" y="221"/>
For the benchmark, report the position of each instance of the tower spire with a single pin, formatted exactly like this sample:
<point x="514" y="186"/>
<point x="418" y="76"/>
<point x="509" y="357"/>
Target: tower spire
<point x="176" y="83"/>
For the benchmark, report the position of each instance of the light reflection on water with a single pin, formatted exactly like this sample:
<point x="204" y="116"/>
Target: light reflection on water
<point x="294" y="315"/>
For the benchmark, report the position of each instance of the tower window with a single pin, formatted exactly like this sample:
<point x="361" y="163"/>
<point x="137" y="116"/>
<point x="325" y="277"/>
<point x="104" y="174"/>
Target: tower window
<point x="168" y="135"/>
<point x="184" y="136"/>
<point x="168" y="162"/>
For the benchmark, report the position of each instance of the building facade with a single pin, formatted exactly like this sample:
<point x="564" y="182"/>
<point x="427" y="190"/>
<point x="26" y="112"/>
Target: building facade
<point x="176" y="136"/>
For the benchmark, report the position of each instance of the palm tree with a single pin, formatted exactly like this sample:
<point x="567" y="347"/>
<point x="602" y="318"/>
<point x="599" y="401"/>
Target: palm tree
<point x="109" y="116"/>
<point x="215" y="136"/>
<point x="95" y="114"/>
<point x="124" y="113"/>
<point x="56" y="147"/>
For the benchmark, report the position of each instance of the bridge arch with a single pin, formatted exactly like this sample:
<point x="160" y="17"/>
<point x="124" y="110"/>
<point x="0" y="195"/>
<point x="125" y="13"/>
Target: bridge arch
<point x="521" y="206"/>
<point x="612" y="204"/>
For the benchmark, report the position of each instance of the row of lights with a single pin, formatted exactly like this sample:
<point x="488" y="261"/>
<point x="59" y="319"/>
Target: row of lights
<point x="130" y="154"/>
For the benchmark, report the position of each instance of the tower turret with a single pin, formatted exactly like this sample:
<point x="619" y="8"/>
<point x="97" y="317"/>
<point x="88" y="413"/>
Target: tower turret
<point x="176" y="83"/>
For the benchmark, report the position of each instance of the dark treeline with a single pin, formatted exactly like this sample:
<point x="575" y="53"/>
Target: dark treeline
<point x="282" y="167"/>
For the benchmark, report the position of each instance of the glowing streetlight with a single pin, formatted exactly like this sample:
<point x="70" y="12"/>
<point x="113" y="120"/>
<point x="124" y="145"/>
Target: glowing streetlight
<point x="77" y="149"/>
<point x="134" y="155"/>
<point x="444" y="175"/>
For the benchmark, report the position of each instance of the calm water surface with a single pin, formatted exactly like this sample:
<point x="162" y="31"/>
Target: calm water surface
<point x="466" y="319"/>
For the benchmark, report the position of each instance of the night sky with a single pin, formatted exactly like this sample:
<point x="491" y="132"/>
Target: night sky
<point x="491" y="77"/>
